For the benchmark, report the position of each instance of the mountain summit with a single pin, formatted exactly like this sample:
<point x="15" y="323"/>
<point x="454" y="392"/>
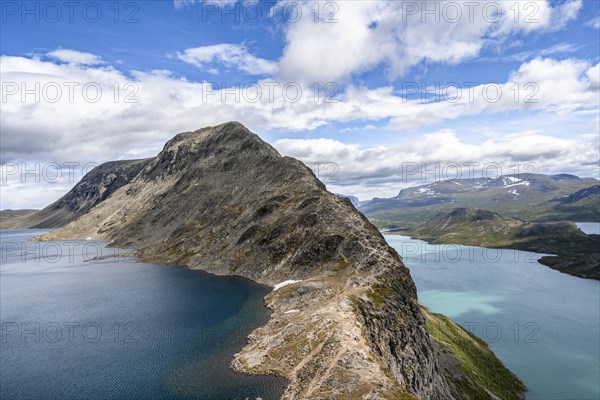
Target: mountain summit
<point x="346" y="322"/>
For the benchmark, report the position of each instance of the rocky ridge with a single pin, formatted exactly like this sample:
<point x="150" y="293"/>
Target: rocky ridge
<point x="346" y="322"/>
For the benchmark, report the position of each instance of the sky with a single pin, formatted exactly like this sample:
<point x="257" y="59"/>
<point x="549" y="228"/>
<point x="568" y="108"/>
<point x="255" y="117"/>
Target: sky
<point x="373" y="95"/>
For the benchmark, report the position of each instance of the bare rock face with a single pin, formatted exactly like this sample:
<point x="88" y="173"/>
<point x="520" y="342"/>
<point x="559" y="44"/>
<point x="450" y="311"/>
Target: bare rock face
<point x="346" y="323"/>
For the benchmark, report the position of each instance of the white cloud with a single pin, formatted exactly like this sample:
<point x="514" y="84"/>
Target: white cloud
<point x="566" y="13"/>
<point x="402" y="34"/>
<point x="362" y="35"/>
<point x="17" y="195"/>
<point x="166" y="104"/>
<point x="231" y="56"/>
<point x="179" y="4"/>
<point x="367" y="127"/>
<point x="380" y="171"/>
<point x="528" y="16"/>
<point x="563" y="85"/>
<point x="111" y="128"/>
<point x="335" y="40"/>
<point x="75" y="57"/>
<point x="559" y="48"/>
<point x="594" y="23"/>
<point x="593" y="75"/>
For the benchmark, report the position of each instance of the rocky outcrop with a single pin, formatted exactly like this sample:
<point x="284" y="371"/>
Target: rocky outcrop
<point x="346" y="321"/>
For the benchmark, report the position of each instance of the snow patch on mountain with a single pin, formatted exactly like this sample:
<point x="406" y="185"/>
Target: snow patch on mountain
<point x="427" y="191"/>
<point x="510" y="181"/>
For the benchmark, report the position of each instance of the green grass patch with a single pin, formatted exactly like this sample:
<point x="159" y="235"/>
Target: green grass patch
<point x="477" y="361"/>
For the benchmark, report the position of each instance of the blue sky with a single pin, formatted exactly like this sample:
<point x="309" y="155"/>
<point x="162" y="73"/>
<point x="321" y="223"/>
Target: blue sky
<point x="371" y="57"/>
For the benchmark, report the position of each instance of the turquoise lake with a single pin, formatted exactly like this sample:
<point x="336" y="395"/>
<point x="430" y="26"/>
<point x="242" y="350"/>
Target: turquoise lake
<point x="544" y="325"/>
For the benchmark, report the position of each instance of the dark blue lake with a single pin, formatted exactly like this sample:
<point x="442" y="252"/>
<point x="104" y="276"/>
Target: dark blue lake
<point x="119" y="329"/>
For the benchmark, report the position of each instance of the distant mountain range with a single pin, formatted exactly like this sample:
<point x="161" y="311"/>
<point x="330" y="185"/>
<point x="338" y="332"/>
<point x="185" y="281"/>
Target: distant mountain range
<point x="524" y="196"/>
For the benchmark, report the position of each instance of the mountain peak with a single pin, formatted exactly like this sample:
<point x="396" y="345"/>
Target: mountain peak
<point x="219" y="138"/>
<point x="226" y="144"/>
<point x="222" y="200"/>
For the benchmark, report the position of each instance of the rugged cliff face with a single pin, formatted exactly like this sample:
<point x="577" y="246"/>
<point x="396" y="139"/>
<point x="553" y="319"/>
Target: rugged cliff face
<point x="346" y="322"/>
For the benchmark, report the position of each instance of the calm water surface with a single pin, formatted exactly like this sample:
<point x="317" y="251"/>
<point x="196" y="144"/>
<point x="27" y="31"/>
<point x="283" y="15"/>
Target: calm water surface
<point x="116" y="328"/>
<point x="544" y="325"/>
<point x="589" y="227"/>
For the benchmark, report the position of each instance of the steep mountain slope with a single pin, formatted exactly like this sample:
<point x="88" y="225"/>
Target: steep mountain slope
<point x="9" y="215"/>
<point x="577" y="253"/>
<point x="525" y="196"/>
<point x="346" y="324"/>
<point x="478" y="372"/>
<point x="95" y="187"/>
<point x="581" y="205"/>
